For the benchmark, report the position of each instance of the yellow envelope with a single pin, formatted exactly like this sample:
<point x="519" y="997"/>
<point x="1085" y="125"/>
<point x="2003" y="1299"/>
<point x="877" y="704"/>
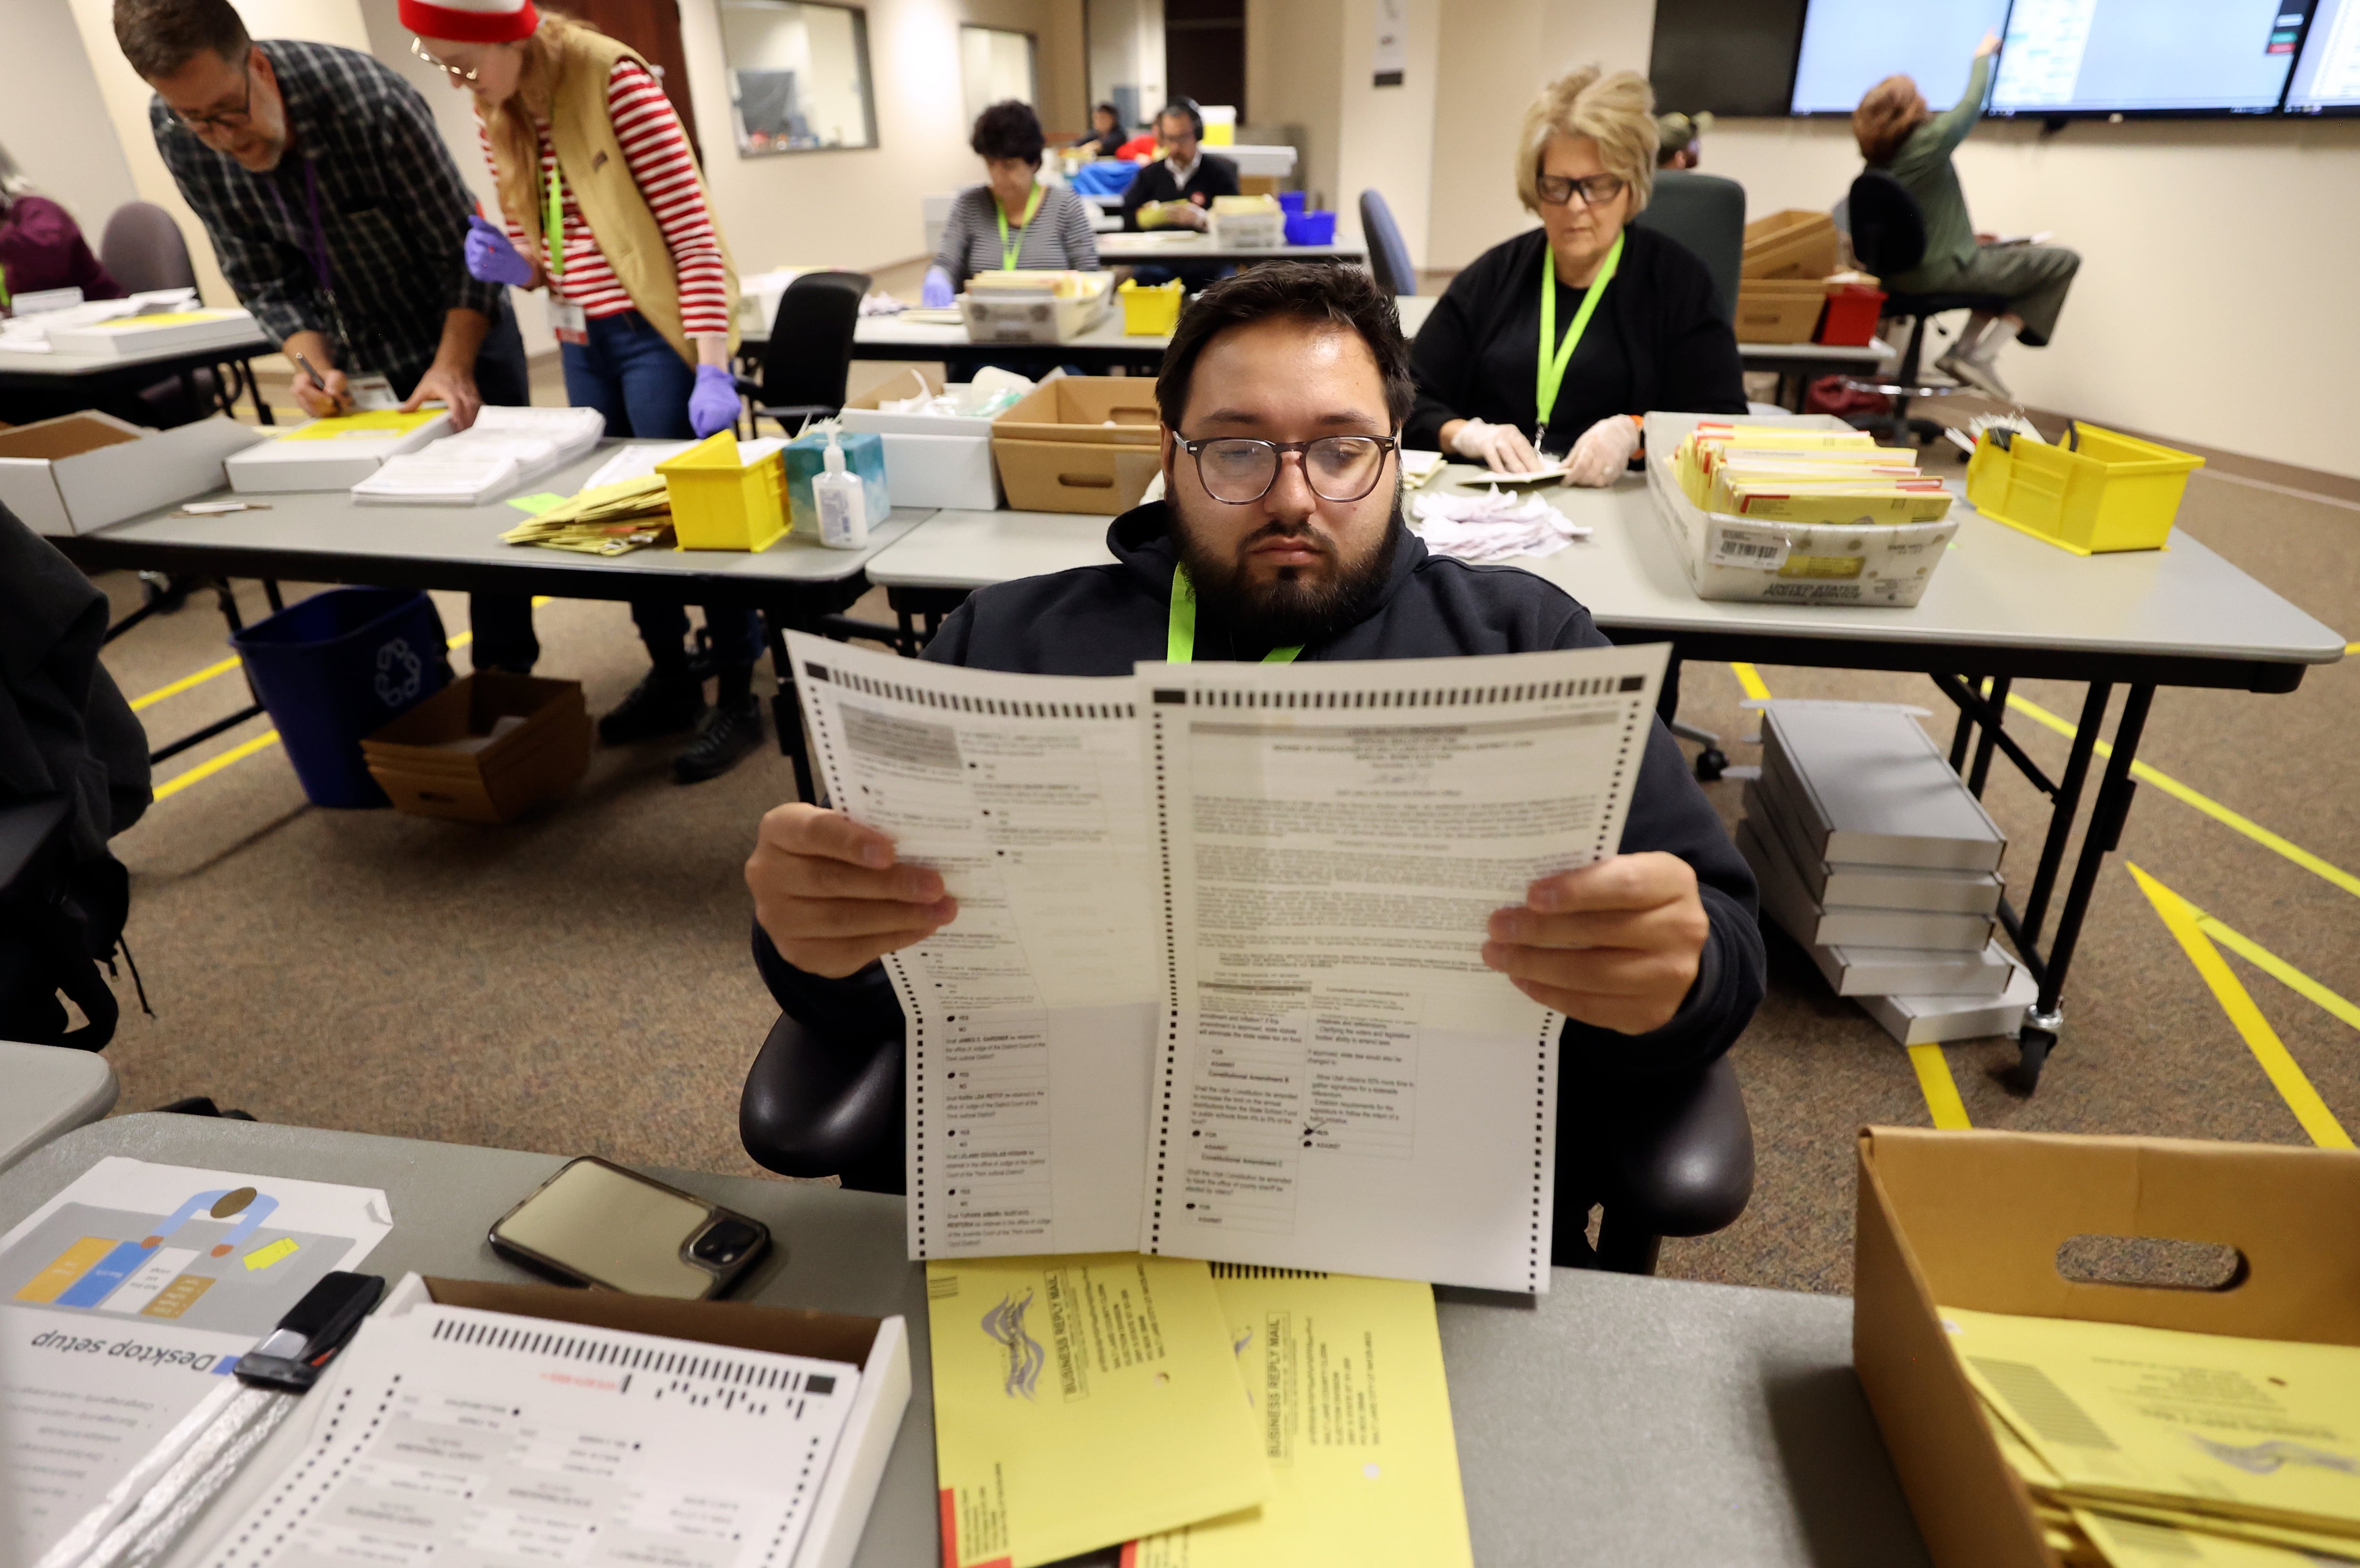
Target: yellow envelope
<point x="2257" y="1429"/>
<point x="1345" y="1378"/>
<point x="1081" y="1401"/>
<point x="2132" y="1544"/>
<point x="373" y="422"/>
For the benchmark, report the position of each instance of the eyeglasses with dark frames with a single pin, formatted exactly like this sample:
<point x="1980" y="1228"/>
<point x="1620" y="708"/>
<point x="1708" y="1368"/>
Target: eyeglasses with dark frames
<point x="226" y="121"/>
<point x="1240" y="470"/>
<point x="418" y="47"/>
<point x="1596" y="190"/>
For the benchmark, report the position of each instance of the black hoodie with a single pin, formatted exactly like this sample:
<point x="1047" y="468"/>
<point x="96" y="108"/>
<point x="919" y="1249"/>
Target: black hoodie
<point x="1100" y="621"/>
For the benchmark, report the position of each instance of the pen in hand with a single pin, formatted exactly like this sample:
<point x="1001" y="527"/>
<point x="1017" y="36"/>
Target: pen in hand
<point x="317" y="379"/>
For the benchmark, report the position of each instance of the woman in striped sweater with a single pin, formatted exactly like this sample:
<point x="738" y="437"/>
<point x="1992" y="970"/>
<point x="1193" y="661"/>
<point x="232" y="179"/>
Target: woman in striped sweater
<point x="604" y="206"/>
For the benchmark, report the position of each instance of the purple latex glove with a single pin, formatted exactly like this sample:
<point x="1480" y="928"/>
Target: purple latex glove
<point x="713" y="406"/>
<point x="935" y="293"/>
<point x="492" y="259"/>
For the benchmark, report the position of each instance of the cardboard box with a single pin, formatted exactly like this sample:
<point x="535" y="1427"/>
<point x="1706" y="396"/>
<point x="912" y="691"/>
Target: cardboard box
<point x="166" y="332"/>
<point x="1919" y="1019"/>
<point x="1778" y="310"/>
<point x="1790" y="244"/>
<point x="1069" y="476"/>
<point x="456" y="755"/>
<point x="879" y="1346"/>
<point x="1975" y="1220"/>
<point x="954" y="471"/>
<point x="67" y="475"/>
<point x="1118" y="410"/>
<point x="867" y="411"/>
<point x="294" y="461"/>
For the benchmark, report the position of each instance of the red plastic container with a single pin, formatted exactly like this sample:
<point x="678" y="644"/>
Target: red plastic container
<point x="1851" y="316"/>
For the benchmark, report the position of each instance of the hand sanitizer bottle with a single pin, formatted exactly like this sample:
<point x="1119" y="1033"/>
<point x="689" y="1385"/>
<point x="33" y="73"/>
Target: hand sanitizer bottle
<point x="841" y="500"/>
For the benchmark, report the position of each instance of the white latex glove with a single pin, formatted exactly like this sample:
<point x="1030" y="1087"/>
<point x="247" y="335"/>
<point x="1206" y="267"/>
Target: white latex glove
<point x="1602" y="452"/>
<point x="1501" y="447"/>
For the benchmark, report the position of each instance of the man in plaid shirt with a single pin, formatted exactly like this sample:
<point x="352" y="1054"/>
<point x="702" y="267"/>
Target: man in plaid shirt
<point x="336" y="213"/>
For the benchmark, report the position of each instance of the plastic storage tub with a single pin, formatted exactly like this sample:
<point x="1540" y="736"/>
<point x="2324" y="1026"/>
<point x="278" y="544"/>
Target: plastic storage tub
<point x="2108" y="492"/>
<point x="1756" y="561"/>
<point x="1853" y="310"/>
<point x="1310" y="228"/>
<point x="1150" y="312"/>
<point x="719" y="501"/>
<point x="337" y="666"/>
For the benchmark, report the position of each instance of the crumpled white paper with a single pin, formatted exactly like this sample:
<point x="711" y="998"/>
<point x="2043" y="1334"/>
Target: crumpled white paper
<point x="1492" y="525"/>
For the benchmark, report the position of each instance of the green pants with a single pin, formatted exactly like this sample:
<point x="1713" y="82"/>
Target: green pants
<point x="2032" y="277"/>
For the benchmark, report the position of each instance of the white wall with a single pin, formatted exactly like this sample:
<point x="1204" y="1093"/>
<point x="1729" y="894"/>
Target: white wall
<point x="1126" y="48"/>
<point x="53" y="122"/>
<point x="2215" y="302"/>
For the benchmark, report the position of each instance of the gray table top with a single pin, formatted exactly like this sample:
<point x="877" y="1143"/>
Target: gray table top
<point x="892" y="332"/>
<point x="48" y="1090"/>
<point x="1170" y="245"/>
<point x="1996" y="588"/>
<point x="14" y="363"/>
<point x="1615" y="1420"/>
<point x="330" y="524"/>
<point x="1875" y="351"/>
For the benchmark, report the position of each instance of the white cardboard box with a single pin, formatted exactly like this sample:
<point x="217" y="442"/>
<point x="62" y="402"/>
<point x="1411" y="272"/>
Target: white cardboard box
<point x="130" y="337"/>
<point x="1932" y="1020"/>
<point x="81" y="471"/>
<point x="954" y="471"/>
<point x="276" y="467"/>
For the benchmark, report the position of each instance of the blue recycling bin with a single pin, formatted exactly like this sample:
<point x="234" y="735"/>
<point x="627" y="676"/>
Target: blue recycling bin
<point x="339" y="665"/>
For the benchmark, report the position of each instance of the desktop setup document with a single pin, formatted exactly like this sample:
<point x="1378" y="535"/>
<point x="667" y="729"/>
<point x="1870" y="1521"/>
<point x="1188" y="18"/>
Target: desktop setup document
<point x="1216" y="987"/>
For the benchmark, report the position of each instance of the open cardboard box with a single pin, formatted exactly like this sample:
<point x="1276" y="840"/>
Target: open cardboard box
<point x="879" y="1346"/>
<point x="69" y="475"/>
<point x="451" y="756"/>
<point x="1068" y="475"/>
<point x="1975" y="1221"/>
<point x="1079" y="408"/>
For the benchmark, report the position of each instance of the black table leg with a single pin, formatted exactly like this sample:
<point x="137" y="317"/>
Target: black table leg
<point x="261" y="410"/>
<point x="2104" y="835"/>
<point x="2069" y="803"/>
<point x="1984" y="747"/>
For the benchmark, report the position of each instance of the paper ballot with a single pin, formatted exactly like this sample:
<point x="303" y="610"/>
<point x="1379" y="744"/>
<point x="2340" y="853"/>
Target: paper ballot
<point x="1345" y="1379"/>
<point x="2262" y="1430"/>
<point x="1246" y="1019"/>
<point x="1082" y="1401"/>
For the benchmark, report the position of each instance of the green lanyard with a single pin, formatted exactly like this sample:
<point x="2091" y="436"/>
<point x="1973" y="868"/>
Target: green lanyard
<point x="553" y="230"/>
<point x="1180" y="634"/>
<point x="1549" y="373"/>
<point x="1009" y="252"/>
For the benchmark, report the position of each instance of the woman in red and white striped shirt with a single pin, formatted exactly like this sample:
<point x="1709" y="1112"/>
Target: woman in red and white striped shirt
<point x="602" y="203"/>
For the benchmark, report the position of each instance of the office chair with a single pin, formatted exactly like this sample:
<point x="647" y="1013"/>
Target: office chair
<point x="1706" y="214"/>
<point x="143" y="249"/>
<point x="1388" y="252"/>
<point x="1668" y="1158"/>
<point x="54" y="927"/>
<point x="1888" y="236"/>
<point x="809" y="356"/>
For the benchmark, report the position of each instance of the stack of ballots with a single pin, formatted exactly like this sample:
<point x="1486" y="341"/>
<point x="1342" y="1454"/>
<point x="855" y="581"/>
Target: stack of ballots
<point x="1871" y="852"/>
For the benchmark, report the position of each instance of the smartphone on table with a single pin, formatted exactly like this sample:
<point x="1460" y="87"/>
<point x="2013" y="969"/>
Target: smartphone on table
<point x="598" y="1225"/>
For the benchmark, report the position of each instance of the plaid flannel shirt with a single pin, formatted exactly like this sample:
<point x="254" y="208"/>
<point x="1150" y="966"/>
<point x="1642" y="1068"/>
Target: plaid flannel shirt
<point x="392" y="209"/>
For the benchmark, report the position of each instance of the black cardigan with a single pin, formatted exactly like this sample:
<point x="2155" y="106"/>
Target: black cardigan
<point x="1675" y="351"/>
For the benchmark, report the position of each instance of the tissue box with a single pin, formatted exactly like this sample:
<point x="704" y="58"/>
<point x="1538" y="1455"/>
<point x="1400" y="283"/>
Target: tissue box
<point x="864" y="454"/>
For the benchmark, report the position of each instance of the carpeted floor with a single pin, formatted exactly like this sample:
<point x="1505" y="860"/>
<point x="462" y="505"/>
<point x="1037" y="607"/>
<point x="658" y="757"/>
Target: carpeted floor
<point x="579" y="983"/>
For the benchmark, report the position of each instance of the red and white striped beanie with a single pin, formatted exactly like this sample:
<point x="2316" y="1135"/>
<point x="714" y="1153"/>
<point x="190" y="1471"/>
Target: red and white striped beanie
<point x="471" y="21"/>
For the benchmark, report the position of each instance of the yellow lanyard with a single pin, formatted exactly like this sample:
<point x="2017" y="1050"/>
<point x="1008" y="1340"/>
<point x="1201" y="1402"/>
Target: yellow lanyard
<point x="1180" y="632"/>
<point x="553" y="230"/>
<point x="1008" y="251"/>
<point x="1549" y="373"/>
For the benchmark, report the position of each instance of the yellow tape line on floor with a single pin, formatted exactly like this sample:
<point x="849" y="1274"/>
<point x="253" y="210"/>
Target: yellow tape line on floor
<point x="184" y="683"/>
<point x="2203" y="803"/>
<point x="1751" y="679"/>
<point x="2185" y="922"/>
<point x="212" y="765"/>
<point x="2277" y="968"/>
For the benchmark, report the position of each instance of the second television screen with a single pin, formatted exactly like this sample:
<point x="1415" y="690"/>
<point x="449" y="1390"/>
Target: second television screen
<point x="1850" y="46"/>
<point x="2067" y="57"/>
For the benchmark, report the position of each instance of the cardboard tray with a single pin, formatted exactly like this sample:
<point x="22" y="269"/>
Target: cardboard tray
<point x="1077" y="409"/>
<point x="1071" y="476"/>
<point x="69" y="475"/>
<point x="531" y="765"/>
<point x="1976" y="1219"/>
<point x="1795" y="243"/>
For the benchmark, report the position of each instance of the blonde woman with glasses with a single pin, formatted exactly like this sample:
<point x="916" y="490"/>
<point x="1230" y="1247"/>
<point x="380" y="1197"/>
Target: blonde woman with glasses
<point x="1551" y="345"/>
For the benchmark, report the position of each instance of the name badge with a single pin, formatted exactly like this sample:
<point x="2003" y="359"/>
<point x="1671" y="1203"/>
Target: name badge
<point x="569" y="321"/>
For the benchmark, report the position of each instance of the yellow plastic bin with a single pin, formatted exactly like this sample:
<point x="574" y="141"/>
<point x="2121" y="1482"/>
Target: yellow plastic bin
<point x="2109" y="492"/>
<point x="1151" y="312"/>
<point x="720" y="502"/>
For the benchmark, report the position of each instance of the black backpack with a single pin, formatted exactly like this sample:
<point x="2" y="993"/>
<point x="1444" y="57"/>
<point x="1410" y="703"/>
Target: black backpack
<point x="61" y="919"/>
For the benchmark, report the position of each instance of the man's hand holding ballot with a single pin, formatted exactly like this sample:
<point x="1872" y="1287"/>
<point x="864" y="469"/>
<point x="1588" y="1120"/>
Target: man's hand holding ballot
<point x="1250" y="825"/>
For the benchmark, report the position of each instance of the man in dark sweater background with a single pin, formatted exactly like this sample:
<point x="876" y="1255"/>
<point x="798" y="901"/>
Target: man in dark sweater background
<point x="1282" y="392"/>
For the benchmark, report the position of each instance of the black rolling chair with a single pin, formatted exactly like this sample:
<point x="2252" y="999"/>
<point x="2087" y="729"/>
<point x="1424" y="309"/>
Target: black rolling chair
<point x="1388" y="252"/>
<point x="809" y="356"/>
<point x="1888" y="236"/>
<point x="1671" y="1157"/>
<point x="57" y="924"/>
<point x="1706" y="214"/>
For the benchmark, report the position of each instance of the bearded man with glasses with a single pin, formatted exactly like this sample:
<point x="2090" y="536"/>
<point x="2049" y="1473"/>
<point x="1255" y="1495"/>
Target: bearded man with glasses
<point x="337" y="215"/>
<point x="1281" y="537"/>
